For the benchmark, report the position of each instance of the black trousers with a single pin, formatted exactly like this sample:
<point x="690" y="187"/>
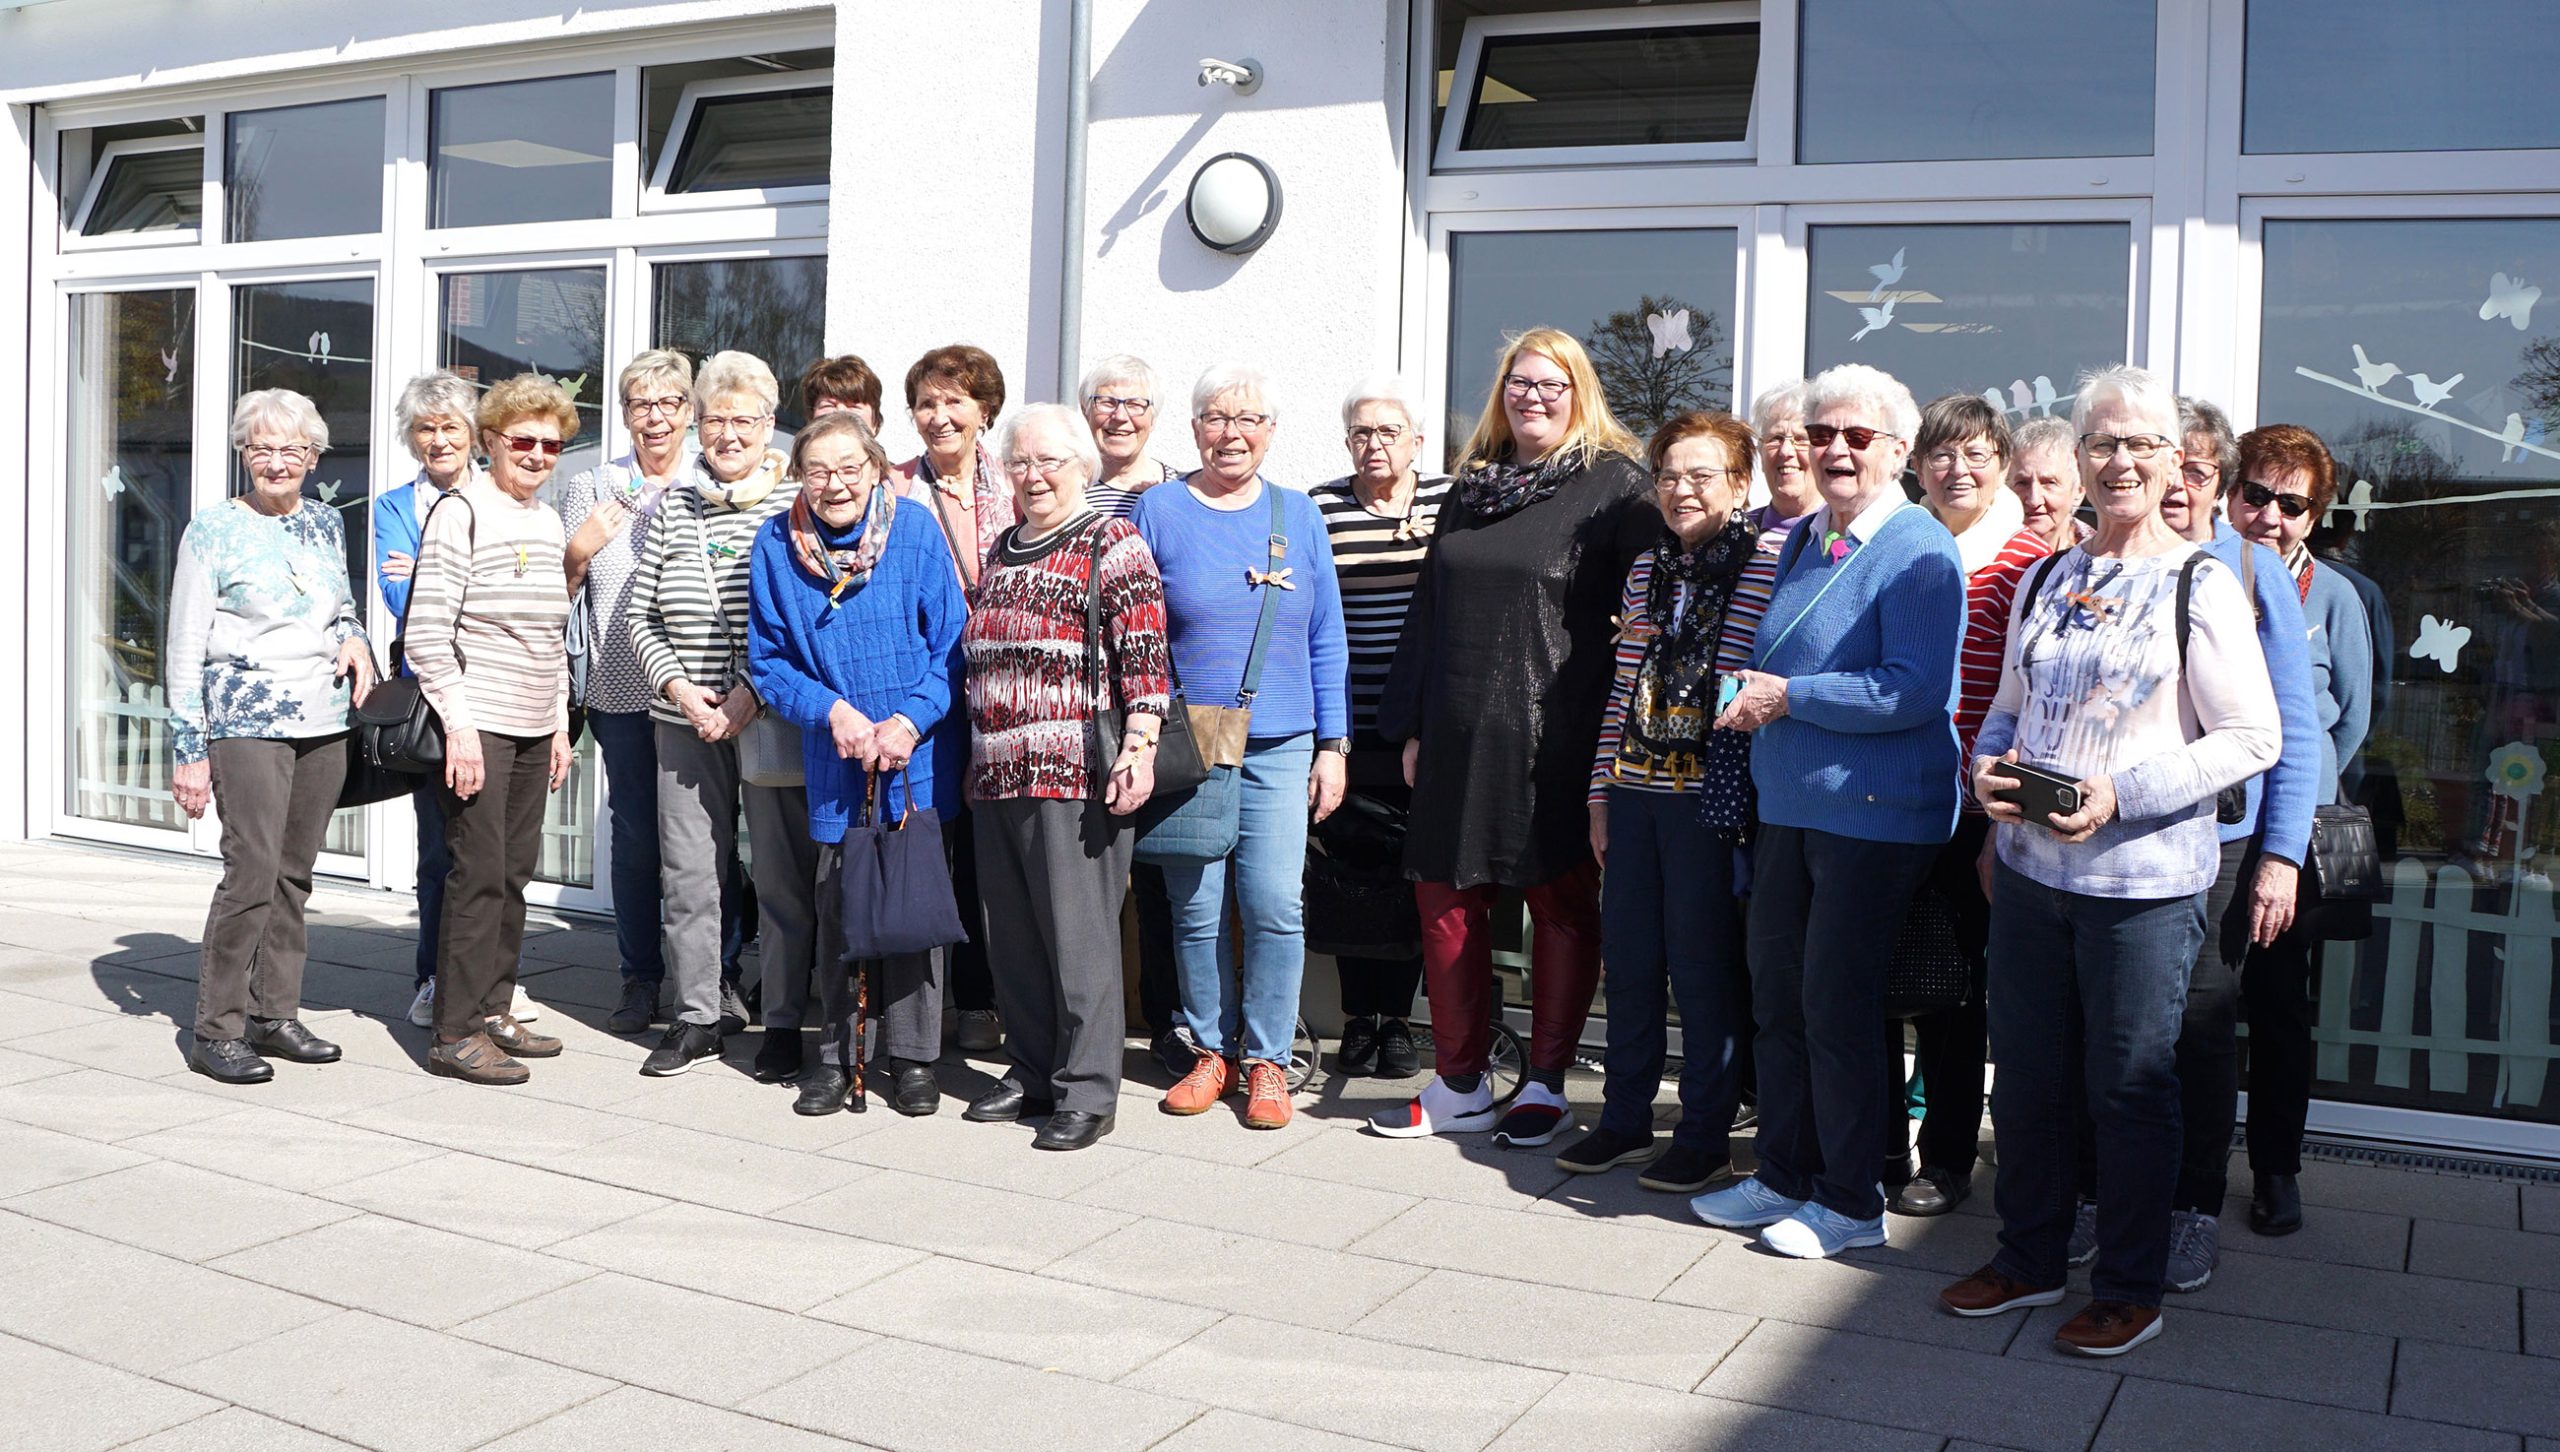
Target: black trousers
<point x="1159" y="984"/>
<point x="1950" y="1046"/>
<point x="971" y="985"/>
<point x="2275" y="998"/>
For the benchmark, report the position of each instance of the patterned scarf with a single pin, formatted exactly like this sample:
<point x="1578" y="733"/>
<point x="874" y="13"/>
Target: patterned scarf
<point x="1666" y="723"/>
<point x="2298" y="559"/>
<point x="990" y="515"/>
<point x="1503" y="488"/>
<point x="841" y="570"/>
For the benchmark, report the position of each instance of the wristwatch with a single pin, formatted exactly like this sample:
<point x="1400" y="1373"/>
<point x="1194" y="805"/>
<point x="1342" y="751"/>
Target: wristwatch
<point x="1338" y="745"/>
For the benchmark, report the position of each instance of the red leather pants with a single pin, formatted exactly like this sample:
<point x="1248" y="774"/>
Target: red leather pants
<point x="1457" y="968"/>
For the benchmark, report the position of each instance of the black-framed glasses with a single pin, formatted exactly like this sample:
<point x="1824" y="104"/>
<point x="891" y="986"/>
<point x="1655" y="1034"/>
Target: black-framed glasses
<point x="2102" y="447"/>
<point x="1859" y="436"/>
<point x="1242" y="423"/>
<point x="1104" y="403"/>
<point x="1547" y="389"/>
<point x="1383" y="435"/>
<point x="671" y="405"/>
<point x="2259" y="496"/>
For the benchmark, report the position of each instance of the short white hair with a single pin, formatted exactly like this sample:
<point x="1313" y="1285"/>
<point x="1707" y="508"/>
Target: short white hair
<point x="2045" y="436"/>
<point x="658" y="367"/>
<point x="1869" y="390"/>
<point x="731" y="374"/>
<point x="1221" y="379"/>
<point x="1121" y="368"/>
<point x="1784" y="401"/>
<point x="440" y="394"/>
<point x="278" y="408"/>
<point x="1067" y="421"/>
<point x="1382" y="388"/>
<point x="2139" y="389"/>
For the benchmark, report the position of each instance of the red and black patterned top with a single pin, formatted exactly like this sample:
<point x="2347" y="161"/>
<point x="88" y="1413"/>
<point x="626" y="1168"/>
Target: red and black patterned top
<point x="1030" y="692"/>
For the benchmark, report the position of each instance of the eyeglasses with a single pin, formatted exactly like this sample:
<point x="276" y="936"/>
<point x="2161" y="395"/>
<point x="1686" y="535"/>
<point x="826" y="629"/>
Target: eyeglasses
<point x="528" y="445"/>
<point x="2102" y="447"/>
<point x="647" y="406"/>
<point x="1969" y="458"/>
<point x="1105" y="403"/>
<point x="1035" y="468"/>
<point x="1242" y="423"/>
<point x="1547" y="389"/>
<point x="1696" y="481"/>
<point x="2202" y="473"/>
<point x="1385" y="436"/>
<point x="278" y="453"/>
<point x="737" y="424"/>
<point x="1821" y="435"/>
<point x="823" y="477"/>
<point x="2259" y="496"/>
<point x="1785" y="441"/>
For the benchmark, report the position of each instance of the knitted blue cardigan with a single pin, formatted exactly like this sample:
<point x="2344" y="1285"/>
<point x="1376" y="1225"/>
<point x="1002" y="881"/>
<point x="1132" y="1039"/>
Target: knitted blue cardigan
<point x="1867" y="748"/>
<point x="2281" y="797"/>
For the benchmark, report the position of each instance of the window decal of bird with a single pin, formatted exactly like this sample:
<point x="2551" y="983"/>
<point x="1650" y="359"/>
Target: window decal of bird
<point x="2429" y="392"/>
<point x="1877" y="318"/>
<point x="2371" y="374"/>
<point x="1887" y="274"/>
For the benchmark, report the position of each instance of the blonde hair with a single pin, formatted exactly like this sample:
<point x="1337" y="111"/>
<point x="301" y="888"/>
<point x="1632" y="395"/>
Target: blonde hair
<point x="1590" y="428"/>
<point x="733" y="374"/>
<point x="527" y="395"/>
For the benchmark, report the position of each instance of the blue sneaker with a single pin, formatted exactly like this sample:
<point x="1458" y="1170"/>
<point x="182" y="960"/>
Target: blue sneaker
<point x="1744" y="1205"/>
<point x="1817" y="1232"/>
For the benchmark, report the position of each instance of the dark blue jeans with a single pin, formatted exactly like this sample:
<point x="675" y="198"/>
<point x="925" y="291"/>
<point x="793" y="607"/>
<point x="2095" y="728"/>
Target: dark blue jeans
<point x="1668" y="919"/>
<point x="2086" y="998"/>
<point x="1824" y="913"/>
<point x="434" y="861"/>
<point x="627" y="741"/>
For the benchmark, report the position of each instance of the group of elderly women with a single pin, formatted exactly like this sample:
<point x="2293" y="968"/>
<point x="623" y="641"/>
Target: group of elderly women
<point x="1780" y="729"/>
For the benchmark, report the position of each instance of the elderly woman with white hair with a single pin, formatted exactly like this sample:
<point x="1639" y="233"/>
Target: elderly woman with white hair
<point x="2133" y="671"/>
<point x="1378" y="520"/>
<point x="1849" y="695"/>
<point x="2045" y="475"/>
<point x="264" y="650"/>
<point x="1119" y="398"/>
<point x="1066" y="639"/>
<point x="1786" y="456"/>
<point x="1214" y="538"/>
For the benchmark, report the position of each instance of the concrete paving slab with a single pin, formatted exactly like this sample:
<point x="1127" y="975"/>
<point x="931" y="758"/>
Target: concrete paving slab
<point x="1595" y="1414"/>
<point x="954" y="1218"/>
<point x="511" y="1204"/>
<point x="742" y="1257"/>
<point x="899" y="1394"/>
<point x="1653" y="1342"/>
<point x="2200" y="1347"/>
<point x="736" y="1107"/>
<point x="237" y="1429"/>
<point x="1220" y="1430"/>
<point x="998" y="1156"/>
<point x="32" y="1158"/>
<point x="2148" y="1415"/>
<point x="289" y="1151"/>
<point x="1849" y="1295"/>
<point x="1039" y="1321"/>
<point x="1239" y="1198"/>
<point x="2380" y="1303"/>
<point x="1904" y="1384"/>
<point x="113" y="1304"/>
<point x="2499" y="1390"/>
<point x="665" y="1338"/>
<point x="1396" y="1394"/>
<point x="58" y="1402"/>
<point x="494" y="1121"/>
<point x="2479" y="1253"/>
<point x="1473" y="1170"/>
<point x="704" y="1169"/>
<point x="1225" y="1270"/>
<point x="630" y="1416"/>
<point x="101" y="1106"/>
<point x="1552" y="1250"/>
<point x="178" y="1210"/>
<point x="329" y="1091"/>
<point x="412" y="1273"/>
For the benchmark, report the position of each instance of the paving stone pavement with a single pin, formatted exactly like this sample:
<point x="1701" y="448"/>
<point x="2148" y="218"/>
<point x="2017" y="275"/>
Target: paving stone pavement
<point x="359" y="1256"/>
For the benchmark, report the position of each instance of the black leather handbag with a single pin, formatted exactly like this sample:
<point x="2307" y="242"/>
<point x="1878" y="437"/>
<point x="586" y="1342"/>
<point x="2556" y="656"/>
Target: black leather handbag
<point x="397" y="729"/>
<point x="1928" y="970"/>
<point x="1179" y="764"/>
<point x="1357" y="899"/>
<point x="2342" y="878"/>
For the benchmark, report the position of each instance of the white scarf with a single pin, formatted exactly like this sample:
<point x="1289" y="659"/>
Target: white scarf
<point x="1989" y="535"/>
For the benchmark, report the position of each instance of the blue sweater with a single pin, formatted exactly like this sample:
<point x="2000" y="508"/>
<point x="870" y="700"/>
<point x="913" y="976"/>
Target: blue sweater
<point x="2281" y="799"/>
<point x="2341" y="637"/>
<point x="892" y="646"/>
<point x="1868" y="646"/>
<point x="1210" y="607"/>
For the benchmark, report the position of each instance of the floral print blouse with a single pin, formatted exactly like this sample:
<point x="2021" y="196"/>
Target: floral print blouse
<point x="257" y="611"/>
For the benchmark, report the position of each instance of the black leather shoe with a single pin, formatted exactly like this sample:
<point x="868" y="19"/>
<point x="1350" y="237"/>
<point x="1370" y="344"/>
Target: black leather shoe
<point x="823" y="1090"/>
<point x="917" y="1092"/>
<point x="1356" y="1057"/>
<point x="2276" y="1208"/>
<point x="779" y="1057"/>
<point x="1072" y="1129"/>
<point x="229" y="1061"/>
<point x="286" y="1038"/>
<point x="1006" y="1103"/>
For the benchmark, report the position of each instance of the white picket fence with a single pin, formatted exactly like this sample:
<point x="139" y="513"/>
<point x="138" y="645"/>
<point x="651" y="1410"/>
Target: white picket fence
<point x="120" y="759"/>
<point x="2430" y="919"/>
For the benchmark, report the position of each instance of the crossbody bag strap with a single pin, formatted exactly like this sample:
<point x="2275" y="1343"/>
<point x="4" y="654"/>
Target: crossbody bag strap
<point x="1787" y="558"/>
<point x="731" y="675"/>
<point x="462" y="592"/>
<point x="1279" y="550"/>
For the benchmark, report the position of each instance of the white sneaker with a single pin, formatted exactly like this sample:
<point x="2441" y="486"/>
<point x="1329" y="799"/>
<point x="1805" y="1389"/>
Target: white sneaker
<point x="1818" y="1232"/>
<point x="524" y="1008"/>
<point x="1439" y="1109"/>
<point x="1538" y="1115"/>
<point x="422" y="1009"/>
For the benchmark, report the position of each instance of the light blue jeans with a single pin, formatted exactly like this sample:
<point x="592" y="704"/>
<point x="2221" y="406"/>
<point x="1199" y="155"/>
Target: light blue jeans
<point x="1252" y="1015"/>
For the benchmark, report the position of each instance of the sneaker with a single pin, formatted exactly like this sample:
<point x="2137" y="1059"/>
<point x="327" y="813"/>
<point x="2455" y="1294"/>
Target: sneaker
<point x="1745" y="1204"/>
<point x="522" y="1008"/>
<point x="1818" y="1232"/>
<point x="1537" y="1116"/>
<point x="1685" y="1169"/>
<point x="733" y="1008"/>
<point x="684" y="1043"/>
<point x="1205" y="1085"/>
<point x="1990" y="1291"/>
<point x="1934" y="1191"/>
<point x="2084" y="1235"/>
<point x="980" y="1031"/>
<point x="1397" y="1057"/>
<point x="1175" y="1049"/>
<point x="1357" y="1055"/>
<point x="475" y="1060"/>
<point x="1267" y="1103"/>
<point x="1439" y="1109"/>
<point x="2195" y="1247"/>
<point x="2108" y="1328"/>
<point x="422" y="1009"/>
<point x="638" y="1009"/>
<point x="1606" y="1149"/>
<point x="510" y="1035"/>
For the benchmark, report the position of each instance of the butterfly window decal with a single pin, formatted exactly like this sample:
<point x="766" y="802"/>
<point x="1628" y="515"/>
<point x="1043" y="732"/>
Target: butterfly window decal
<point x="2441" y="641"/>
<point x="2510" y="298"/>
<point x="1670" y="331"/>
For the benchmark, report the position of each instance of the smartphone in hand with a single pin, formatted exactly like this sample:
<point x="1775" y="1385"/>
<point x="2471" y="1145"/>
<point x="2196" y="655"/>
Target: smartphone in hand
<point x="2042" y="794"/>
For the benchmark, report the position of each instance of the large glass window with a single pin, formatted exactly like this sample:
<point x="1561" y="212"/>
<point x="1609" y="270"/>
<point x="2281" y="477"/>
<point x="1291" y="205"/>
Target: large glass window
<point x="1654" y="307"/>
<point x="522" y="151"/>
<point x="1935" y="80"/>
<point x="2425" y="354"/>
<point x="1666" y="85"/>
<point x="305" y="171"/>
<point x="145" y="186"/>
<point x="2015" y="313"/>
<point x="130" y="465"/>
<point x="733" y="140"/>
<point x="2385" y="75"/>
<point x="772" y="307"/>
<point x="663" y="89"/>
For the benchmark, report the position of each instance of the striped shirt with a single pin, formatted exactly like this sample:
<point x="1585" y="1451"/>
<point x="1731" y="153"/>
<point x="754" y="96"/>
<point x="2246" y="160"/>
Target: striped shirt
<point x="1751" y="592"/>
<point x="1636" y="630"/>
<point x="1988" y="593"/>
<point x="615" y="681"/>
<point x="1378" y="558"/>
<point x="1113" y="502"/>
<point x="489" y="613"/>
<point x="676" y="627"/>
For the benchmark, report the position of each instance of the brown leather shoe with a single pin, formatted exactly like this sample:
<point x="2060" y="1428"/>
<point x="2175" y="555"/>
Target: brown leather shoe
<point x="2108" y="1328"/>
<point x="1988" y="1292"/>
<point x="475" y="1060"/>
<point x="520" y="1041"/>
<point x="1267" y="1103"/>
<point x="1205" y="1085"/>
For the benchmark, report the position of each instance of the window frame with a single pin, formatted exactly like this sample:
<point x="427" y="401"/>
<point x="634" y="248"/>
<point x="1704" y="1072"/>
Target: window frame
<point x="75" y="236"/>
<point x="654" y="194"/>
<point x="1467" y="75"/>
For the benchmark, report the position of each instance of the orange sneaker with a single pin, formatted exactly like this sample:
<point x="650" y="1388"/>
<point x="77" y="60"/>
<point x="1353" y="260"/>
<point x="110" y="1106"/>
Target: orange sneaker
<point x="1203" y="1086"/>
<point x="1267" y="1103"/>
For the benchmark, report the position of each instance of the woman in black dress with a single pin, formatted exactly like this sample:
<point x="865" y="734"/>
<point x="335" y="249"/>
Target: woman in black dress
<point x="1496" y="695"/>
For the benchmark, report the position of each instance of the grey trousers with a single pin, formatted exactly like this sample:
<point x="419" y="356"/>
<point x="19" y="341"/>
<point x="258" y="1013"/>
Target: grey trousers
<point x="906" y="991"/>
<point x="1051" y="874"/>
<point x="698" y="796"/>
<point x="274" y="799"/>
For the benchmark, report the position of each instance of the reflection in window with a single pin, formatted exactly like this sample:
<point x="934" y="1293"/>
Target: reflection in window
<point x="522" y="151"/>
<point x="772" y="307"/>
<point x="131" y="457"/>
<point x="757" y="139"/>
<point x="145" y="186"/>
<point x="1889" y="80"/>
<point x="1654" y="307"/>
<point x="2384" y="75"/>
<point x="662" y="89"/>
<point x="305" y="171"/>
<point x="2014" y="313"/>
<point x="85" y="150"/>
<point x="1686" y="84"/>
<point x="2427" y="356"/>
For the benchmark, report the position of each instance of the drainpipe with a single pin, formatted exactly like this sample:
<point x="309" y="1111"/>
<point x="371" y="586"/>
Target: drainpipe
<point x="1071" y="227"/>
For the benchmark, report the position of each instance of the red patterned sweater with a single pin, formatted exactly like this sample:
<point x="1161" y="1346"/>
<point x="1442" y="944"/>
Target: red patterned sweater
<point x="1030" y="699"/>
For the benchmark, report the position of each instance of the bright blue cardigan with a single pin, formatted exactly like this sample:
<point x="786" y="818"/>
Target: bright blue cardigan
<point x="2281" y="798"/>
<point x="891" y="646"/>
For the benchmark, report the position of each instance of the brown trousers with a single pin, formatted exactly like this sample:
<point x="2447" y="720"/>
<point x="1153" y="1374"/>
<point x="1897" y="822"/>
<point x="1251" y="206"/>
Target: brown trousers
<point x="274" y="799"/>
<point x="495" y="838"/>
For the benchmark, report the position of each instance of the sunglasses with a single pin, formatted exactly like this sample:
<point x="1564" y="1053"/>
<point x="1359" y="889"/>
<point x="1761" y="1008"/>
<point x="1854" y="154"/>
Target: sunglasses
<point x="1821" y="435"/>
<point x="2259" y="496"/>
<point x="527" y="444"/>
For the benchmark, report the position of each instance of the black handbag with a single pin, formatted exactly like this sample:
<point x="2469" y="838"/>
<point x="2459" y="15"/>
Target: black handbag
<point x="368" y="785"/>
<point x="1179" y="765"/>
<point x="1358" y="902"/>
<point x="397" y="729"/>
<point x="894" y="889"/>
<point x="1928" y="970"/>
<point x="2342" y="876"/>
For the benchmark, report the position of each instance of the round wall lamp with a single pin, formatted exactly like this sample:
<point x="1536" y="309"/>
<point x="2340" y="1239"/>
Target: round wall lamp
<point x="1234" y="203"/>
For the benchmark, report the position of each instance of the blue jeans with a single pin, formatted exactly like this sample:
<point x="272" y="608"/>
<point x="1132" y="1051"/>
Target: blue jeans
<point x="628" y="743"/>
<point x="1668" y="919"/>
<point x="2086" y="998"/>
<point x="435" y="859"/>
<point x="1268" y="869"/>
